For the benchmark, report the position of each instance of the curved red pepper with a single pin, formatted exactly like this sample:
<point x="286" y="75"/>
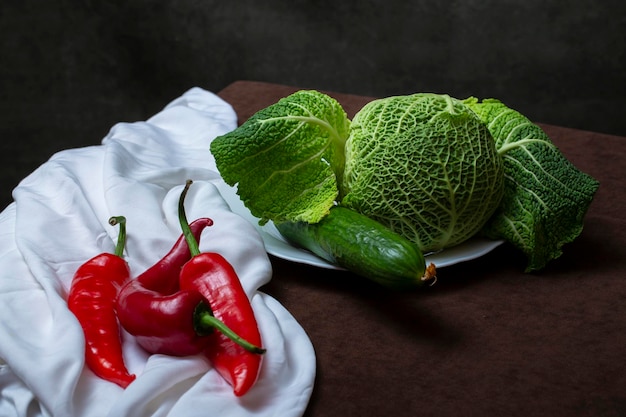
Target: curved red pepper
<point x="91" y="298"/>
<point x="153" y="309"/>
<point x="212" y="276"/>
<point x="237" y="360"/>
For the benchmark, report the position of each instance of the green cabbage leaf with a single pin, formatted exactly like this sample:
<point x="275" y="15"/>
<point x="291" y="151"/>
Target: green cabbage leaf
<point x="545" y="196"/>
<point x="287" y="159"/>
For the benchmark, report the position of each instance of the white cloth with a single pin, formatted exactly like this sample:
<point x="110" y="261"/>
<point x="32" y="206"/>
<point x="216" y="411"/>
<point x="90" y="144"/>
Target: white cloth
<point x="59" y="220"/>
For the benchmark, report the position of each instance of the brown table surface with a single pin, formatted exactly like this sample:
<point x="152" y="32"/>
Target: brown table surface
<point x="488" y="339"/>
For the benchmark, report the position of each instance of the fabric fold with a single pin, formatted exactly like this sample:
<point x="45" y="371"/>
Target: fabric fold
<point x="60" y="219"/>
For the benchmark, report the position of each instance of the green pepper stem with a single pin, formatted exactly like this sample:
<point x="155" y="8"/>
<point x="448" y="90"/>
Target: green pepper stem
<point x="121" y="238"/>
<point x="184" y="224"/>
<point x="205" y="322"/>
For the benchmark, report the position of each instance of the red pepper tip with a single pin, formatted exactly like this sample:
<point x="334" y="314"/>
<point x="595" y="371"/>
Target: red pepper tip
<point x="124" y="380"/>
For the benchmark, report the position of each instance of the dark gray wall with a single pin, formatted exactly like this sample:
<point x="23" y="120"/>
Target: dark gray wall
<point x="71" y="69"/>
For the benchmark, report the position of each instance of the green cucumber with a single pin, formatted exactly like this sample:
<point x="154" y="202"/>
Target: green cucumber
<point x="364" y="246"/>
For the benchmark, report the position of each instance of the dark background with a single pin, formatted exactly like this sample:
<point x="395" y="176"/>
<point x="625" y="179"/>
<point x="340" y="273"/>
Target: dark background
<point x="71" y="69"/>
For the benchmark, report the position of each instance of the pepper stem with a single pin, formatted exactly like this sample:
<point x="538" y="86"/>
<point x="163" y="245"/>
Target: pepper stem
<point x="205" y="322"/>
<point x="184" y="224"/>
<point x="121" y="238"/>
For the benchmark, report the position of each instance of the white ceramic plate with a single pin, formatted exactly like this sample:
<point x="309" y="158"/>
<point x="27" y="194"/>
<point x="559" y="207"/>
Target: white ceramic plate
<point x="276" y="245"/>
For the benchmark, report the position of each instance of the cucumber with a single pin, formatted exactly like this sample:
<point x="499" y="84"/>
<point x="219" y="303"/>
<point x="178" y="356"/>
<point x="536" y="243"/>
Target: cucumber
<point x="363" y="246"/>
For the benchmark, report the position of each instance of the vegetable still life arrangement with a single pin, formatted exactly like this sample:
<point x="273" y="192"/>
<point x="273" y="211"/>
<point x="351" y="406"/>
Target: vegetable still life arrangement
<point x="430" y="170"/>
<point x="59" y="220"/>
<point x="187" y="303"/>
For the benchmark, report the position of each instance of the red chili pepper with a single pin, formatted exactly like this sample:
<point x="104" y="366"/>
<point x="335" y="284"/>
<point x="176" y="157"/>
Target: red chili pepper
<point x="233" y="350"/>
<point x="91" y="298"/>
<point x="153" y="309"/>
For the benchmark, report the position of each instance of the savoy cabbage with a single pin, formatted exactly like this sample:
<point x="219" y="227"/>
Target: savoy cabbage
<point x="425" y="166"/>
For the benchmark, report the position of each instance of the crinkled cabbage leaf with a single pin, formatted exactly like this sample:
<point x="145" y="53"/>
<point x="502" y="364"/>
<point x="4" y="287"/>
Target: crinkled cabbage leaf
<point x="287" y="159"/>
<point x="545" y="196"/>
<point x="425" y="166"/>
